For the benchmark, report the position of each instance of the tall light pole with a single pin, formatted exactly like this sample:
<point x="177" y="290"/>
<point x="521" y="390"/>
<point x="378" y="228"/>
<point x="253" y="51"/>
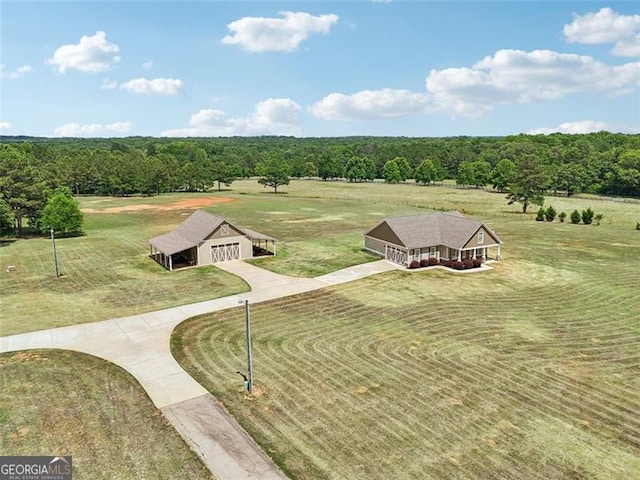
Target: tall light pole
<point x="247" y="315"/>
<point x="55" y="256"/>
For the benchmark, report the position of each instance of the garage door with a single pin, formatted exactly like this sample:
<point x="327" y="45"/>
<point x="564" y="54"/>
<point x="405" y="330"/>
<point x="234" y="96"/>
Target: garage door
<point x="224" y="253"/>
<point x="396" y="255"/>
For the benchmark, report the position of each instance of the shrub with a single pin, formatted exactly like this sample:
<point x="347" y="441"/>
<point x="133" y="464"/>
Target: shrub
<point x="587" y="216"/>
<point x="540" y="215"/>
<point x="457" y="265"/>
<point x="550" y="214"/>
<point x="449" y="263"/>
<point x="432" y="261"/>
<point x="562" y="216"/>
<point x="638" y="226"/>
<point x="598" y="218"/>
<point x="414" y="264"/>
<point x="477" y="262"/>
<point x="575" y="217"/>
<point x="424" y="262"/>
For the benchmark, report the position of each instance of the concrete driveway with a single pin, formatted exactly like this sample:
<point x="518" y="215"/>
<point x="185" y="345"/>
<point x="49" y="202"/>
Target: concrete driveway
<point x="141" y="345"/>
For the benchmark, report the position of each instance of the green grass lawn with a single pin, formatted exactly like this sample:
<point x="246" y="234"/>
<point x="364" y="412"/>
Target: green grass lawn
<point x="107" y="272"/>
<point x="55" y="402"/>
<point x="528" y="371"/>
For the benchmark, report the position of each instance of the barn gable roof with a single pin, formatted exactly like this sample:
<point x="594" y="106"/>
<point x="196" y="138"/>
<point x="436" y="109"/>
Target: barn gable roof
<point x="195" y="230"/>
<point x="450" y="229"/>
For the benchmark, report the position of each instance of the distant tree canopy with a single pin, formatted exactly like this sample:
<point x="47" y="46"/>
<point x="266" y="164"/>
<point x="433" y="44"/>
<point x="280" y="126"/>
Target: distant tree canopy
<point x="31" y="168"/>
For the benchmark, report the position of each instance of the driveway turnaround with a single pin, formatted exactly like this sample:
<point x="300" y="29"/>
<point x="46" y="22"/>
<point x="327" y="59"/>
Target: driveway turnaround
<point x="141" y="345"/>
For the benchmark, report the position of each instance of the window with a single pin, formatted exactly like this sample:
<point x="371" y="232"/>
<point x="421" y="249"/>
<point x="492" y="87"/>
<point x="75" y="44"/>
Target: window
<point x="480" y="237"/>
<point x="224" y="229"/>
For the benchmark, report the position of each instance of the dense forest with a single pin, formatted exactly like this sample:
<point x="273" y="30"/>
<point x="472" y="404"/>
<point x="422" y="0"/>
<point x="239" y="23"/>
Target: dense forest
<point x="31" y="168"/>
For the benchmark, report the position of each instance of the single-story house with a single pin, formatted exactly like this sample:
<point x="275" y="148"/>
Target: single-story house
<point x="204" y="239"/>
<point x="446" y="236"/>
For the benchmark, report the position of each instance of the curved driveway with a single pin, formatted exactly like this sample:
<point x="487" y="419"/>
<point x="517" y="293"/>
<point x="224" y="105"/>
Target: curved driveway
<point x="141" y="345"/>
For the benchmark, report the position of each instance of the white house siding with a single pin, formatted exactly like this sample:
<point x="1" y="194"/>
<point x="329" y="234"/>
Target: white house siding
<point x="204" y="249"/>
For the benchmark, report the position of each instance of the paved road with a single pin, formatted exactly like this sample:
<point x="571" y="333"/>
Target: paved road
<point x="140" y="345"/>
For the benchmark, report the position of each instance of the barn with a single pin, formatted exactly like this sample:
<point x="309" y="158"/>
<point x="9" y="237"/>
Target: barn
<point x="444" y="236"/>
<point x="204" y="239"/>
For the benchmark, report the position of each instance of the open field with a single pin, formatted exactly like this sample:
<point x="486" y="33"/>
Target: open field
<point x="529" y="371"/>
<point x="66" y="403"/>
<point x="108" y="274"/>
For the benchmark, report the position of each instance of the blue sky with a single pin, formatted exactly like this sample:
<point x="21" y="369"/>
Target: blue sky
<point x="398" y="68"/>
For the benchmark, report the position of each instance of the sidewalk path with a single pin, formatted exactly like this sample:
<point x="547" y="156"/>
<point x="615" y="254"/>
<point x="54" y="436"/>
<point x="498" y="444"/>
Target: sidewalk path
<point x="141" y="345"/>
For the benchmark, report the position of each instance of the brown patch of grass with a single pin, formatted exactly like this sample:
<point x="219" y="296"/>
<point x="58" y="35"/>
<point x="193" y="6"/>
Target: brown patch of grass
<point x="188" y="204"/>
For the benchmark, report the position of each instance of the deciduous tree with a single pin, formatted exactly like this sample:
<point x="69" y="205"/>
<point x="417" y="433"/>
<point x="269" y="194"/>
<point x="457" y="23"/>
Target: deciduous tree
<point x="62" y="213"/>
<point x="528" y="182"/>
<point x="275" y="173"/>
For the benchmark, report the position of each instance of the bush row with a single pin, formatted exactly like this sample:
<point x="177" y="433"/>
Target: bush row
<point x="587" y="216"/>
<point x="455" y="264"/>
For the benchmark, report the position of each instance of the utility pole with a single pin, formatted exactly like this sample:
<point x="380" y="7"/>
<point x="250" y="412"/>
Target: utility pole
<point x="247" y="315"/>
<point x="55" y="256"/>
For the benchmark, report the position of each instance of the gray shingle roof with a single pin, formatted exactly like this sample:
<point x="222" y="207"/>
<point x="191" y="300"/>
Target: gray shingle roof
<point x="198" y="226"/>
<point x="450" y="229"/>
<point x="193" y="231"/>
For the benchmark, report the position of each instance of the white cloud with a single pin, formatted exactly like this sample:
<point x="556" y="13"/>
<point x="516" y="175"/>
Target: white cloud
<point x="370" y="105"/>
<point x="92" y="130"/>
<point x="628" y="47"/>
<point x="507" y="77"/>
<point x="148" y="64"/>
<point x="109" y="84"/>
<point x="515" y="76"/>
<point x="5" y="126"/>
<point x="156" y="86"/>
<point x="585" y="126"/>
<point x="273" y="116"/>
<point x="92" y="54"/>
<point x="606" y="26"/>
<point x="259" y="34"/>
<point x="17" y="73"/>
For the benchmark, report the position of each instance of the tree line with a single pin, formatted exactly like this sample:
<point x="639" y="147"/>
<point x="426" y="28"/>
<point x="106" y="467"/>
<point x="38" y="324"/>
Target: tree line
<point x="524" y="166"/>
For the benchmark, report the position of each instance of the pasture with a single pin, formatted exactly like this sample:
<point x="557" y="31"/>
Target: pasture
<point x="529" y="371"/>
<point x="66" y="403"/>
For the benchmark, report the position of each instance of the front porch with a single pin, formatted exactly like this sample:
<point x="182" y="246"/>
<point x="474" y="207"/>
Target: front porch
<point x="442" y="253"/>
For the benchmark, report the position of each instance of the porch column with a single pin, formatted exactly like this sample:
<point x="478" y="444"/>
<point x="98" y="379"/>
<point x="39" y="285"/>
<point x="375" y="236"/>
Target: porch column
<point x="170" y="264"/>
<point x="459" y="255"/>
<point x="484" y="253"/>
<point x="498" y="256"/>
<point x="474" y="253"/>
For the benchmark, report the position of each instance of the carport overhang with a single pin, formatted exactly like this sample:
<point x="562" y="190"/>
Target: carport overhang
<point x="257" y="238"/>
<point x="164" y="248"/>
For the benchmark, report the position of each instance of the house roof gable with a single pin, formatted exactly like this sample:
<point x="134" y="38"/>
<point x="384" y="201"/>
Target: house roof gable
<point x="450" y="229"/>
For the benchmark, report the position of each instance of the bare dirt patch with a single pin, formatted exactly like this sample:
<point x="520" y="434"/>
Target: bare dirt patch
<point x="191" y="203"/>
